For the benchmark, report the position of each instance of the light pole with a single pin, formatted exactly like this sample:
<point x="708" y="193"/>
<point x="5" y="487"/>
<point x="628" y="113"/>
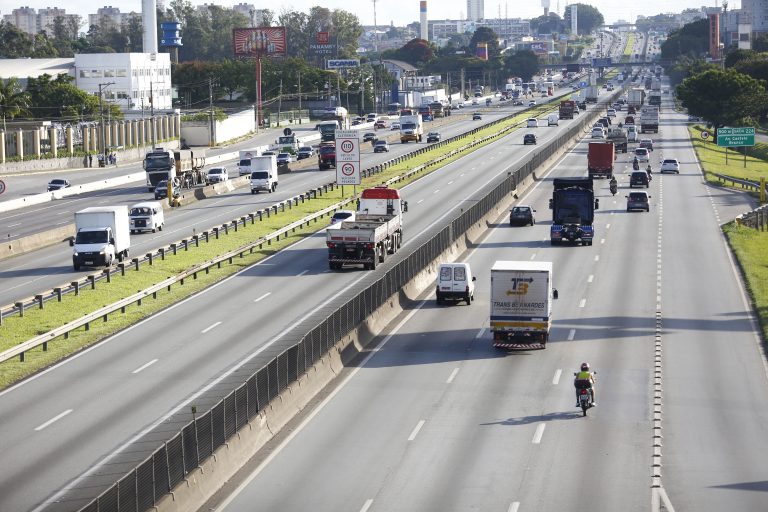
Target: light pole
<point x="101" y="114"/>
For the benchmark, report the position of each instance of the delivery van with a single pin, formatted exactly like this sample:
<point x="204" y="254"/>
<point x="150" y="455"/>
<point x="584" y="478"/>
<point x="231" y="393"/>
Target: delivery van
<point x="455" y="282"/>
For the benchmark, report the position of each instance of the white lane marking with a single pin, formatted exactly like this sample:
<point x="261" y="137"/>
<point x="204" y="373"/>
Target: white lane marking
<point x="514" y="506"/>
<point x="450" y="182"/>
<point x="262" y="297"/>
<point x="210" y="327"/>
<point x="480" y="334"/>
<point x="419" y="201"/>
<point x="366" y="505"/>
<point x="602" y="240"/>
<point x="591" y="278"/>
<point x="140" y="368"/>
<point x="436" y="191"/>
<point x="302" y="273"/>
<point x="14" y="225"/>
<point x="53" y="420"/>
<point x="556" y="378"/>
<point x="62" y="213"/>
<point x="539" y="432"/>
<point x="62" y="223"/>
<point x="462" y="174"/>
<point x="607" y="226"/>
<point x="416" y="430"/>
<point x="452" y="376"/>
<point x="597" y="257"/>
<point x="533" y="255"/>
<point x="571" y="334"/>
<point x="582" y="303"/>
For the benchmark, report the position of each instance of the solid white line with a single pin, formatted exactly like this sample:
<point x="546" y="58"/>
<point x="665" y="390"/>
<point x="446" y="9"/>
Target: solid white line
<point x="591" y="278"/>
<point x="452" y="376"/>
<point x="539" y="432"/>
<point x="53" y="420"/>
<point x="416" y="429"/>
<point x="366" y="505"/>
<point x="450" y="182"/>
<point x="556" y="378"/>
<point x="514" y="506"/>
<point x="597" y="257"/>
<point x="419" y="201"/>
<point x="302" y="273"/>
<point x="14" y="225"/>
<point x="533" y="255"/>
<point x="436" y="191"/>
<point x="137" y="370"/>
<point x="582" y="303"/>
<point x="571" y="334"/>
<point x="480" y="334"/>
<point x="210" y="327"/>
<point x="62" y="213"/>
<point x="262" y="297"/>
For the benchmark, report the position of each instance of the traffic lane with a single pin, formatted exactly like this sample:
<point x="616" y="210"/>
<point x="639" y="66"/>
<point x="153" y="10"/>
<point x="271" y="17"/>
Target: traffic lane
<point x="190" y="362"/>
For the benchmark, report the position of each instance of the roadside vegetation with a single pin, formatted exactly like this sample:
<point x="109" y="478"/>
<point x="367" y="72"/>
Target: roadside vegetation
<point x="35" y="322"/>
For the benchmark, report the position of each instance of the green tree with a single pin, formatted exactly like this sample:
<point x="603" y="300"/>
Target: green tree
<point x="13" y="100"/>
<point x="723" y="97"/>
<point x="230" y="76"/>
<point x="416" y="52"/>
<point x="488" y="36"/>
<point x="549" y="24"/>
<point x="685" y="67"/>
<point x="756" y="67"/>
<point x="588" y="18"/>
<point x="56" y="98"/>
<point x="691" y="40"/>
<point x="348" y="31"/>
<point x="16" y="44"/>
<point x="523" y="64"/>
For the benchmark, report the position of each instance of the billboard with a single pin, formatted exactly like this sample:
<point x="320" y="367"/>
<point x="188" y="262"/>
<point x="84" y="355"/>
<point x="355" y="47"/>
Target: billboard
<point x="343" y="63"/>
<point x="714" y="35"/>
<point x="539" y="47"/>
<point x="481" y="51"/>
<point x="263" y="41"/>
<point x="324" y="45"/>
<point x="602" y="62"/>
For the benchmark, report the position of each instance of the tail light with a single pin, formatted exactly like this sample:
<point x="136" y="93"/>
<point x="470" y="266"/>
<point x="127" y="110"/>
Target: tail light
<point x="467" y="289"/>
<point x="331" y="245"/>
<point x="369" y="246"/>
<point x="583" y="391"/>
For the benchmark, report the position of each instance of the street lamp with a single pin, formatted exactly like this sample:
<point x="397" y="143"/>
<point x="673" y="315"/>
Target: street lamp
<point x="101" y="114"/>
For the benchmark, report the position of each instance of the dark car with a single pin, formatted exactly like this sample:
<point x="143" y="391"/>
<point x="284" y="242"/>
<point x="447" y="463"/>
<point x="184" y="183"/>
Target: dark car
<point x="647" y="144"/>
<point x="433" y="137"/>
<point x="161" y="190"/>
<point x="58" y="184"/>
<point x="639" y="179"/>
<point x="529" y="138"/>
<point x="476" y="116"/>
<point x="638" y="201"/>
<point x="522" y="215"/>
<point x="369" y="137"/>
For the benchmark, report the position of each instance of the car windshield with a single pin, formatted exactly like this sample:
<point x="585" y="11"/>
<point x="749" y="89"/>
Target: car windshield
<point x="91" y="237"/>
<point x="637" y="196"/>
<point x="337" y="217"/>
<point x="214" y="171"/>
<point x="670" y="161"/>
<point x="381" y="143"/>
<point x="305" y="150"/>
<point x="518" y="209"/>
<point x="58" y="182"/>
<point x="259" y="175"/>
<point x="641" y="152"/>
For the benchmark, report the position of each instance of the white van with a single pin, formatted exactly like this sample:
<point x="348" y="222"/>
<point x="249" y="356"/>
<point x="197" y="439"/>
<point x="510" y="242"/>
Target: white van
<point x="553" y="120"/>
<point x="631" y="133"/>
<point x="455" y="282"/>
<point x="532" y="123"/>
<point x="147" y="216"/>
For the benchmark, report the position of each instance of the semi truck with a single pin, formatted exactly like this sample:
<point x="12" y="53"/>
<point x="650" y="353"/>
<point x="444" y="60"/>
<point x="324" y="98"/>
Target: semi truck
<point x="573" y="206"/>
<point x="521" y="304"/>
<point x="411" y="128"/>
<point x="649" y="119"/>
<point x="327" y="130"/>
<point x="600" y="159"/>
<point x="636" y="97"/>
<point x="567" y="108"/>
<point x="102" y="235"/>
<point x="591" y="93"/>
<point x="184" y="166"/>
<point x="376" y="231"/>
<point x="619" y="138"/>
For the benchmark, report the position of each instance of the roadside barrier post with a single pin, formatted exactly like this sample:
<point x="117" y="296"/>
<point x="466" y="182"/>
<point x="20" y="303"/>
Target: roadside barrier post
<point x="20" y="307"/>
<point x="76" y="286"/>
<point x="39" y="299"/>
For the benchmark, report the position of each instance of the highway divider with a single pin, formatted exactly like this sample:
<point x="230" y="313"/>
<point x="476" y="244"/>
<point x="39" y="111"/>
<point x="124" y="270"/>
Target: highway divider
<point x="207" y="451"/>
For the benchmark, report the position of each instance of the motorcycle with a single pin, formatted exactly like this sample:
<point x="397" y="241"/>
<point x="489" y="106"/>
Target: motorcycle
<point x="584" y="390"/>
<point x="635" y="164"/>
<point x="614" y="187"/>
<point x="648" y="171"/>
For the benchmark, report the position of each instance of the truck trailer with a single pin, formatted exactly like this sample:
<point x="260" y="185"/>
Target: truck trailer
<point x="649" y="119"/>
<point x="376" y="231"/>
<point x="567" y="108"/>
<point x="600" y="159"/>
<point x="521" y="304"/>
<point x="573" y="206"/>
<point x="411" y="128"/>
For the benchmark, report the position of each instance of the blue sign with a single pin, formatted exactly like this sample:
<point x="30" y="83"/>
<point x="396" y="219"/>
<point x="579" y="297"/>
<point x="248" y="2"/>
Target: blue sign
<point x="602" y="62"/>
<point x="582" y="84"/>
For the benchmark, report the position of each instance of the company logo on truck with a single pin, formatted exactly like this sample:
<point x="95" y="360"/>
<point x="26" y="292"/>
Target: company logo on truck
<point x="519" y="286"/>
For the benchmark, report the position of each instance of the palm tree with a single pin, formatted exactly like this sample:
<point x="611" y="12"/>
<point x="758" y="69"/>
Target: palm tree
<point x="13" y="100"/>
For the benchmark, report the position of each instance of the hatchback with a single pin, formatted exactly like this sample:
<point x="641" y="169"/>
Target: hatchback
<point x="647" y="144"/>
<point x="522" y="215"/>
<point x="476" y="116"/>
<point x="284" y="158"/>
<point x="433" y="137"/>
<point x="529" y="138"/>
<point x="598" y="132"/>
<point x="639" y="179"/>
<point x="638" y="201"/>
<point x="670" y="165"/>
<point x="532" y="123"/>
<point x="641" y="154"/>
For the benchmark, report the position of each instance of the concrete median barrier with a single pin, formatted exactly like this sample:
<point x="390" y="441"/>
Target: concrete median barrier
<point x="37" y="241"/>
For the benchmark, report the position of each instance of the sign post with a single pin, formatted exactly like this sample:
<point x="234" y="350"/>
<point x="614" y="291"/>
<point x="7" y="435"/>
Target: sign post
<point x="736" y="138"/>
<point x="348" y="157"/>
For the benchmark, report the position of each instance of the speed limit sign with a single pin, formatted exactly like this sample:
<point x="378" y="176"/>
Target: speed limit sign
<point x="2" y="186"/>
<point x="704" y="135"/>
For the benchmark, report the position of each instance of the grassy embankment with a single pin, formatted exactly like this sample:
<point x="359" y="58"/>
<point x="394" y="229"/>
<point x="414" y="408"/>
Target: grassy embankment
<point x="35" y="322"/>
<point x="749" y="245"/>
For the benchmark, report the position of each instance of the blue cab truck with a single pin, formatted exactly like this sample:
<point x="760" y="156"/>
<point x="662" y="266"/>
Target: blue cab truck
<point x="573" y="206"/>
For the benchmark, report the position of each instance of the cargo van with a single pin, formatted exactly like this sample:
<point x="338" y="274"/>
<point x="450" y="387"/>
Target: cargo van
<point x="455" y="282"/>
<point x="553" y="120"/>
<point x="146" y="216"/>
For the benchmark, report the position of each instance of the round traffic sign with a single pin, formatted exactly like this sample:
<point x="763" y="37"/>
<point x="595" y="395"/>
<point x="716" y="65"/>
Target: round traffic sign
<point x="704" y="135"/>
<point x="347" y="146"/>
<point x="2" y="186"/>
<point x="348" y="169"/>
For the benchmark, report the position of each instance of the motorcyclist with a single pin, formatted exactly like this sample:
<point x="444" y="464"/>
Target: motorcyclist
<point x="649" y="170"/>
<point x="585" y="374"/>
<point x="636" y="164"/>
<point x="614" y="186"/>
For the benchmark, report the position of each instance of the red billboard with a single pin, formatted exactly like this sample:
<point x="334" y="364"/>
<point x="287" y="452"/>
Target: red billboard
<point x="264" y="41"/>
<point x="714" y="35"/>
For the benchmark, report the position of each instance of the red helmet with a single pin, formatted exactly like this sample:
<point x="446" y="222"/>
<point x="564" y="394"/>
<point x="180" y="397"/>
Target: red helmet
<point x="585" y="367"/>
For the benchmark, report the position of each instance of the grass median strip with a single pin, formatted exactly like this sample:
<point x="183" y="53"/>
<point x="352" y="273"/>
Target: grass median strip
<point x="35" y="322"/>
<point x="712" y="159"/>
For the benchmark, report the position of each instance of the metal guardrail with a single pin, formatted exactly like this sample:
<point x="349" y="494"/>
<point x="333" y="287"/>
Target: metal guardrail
<point x="167" y="466"/>
<point x="756" y="219"/>
<point x="746" y="184"/>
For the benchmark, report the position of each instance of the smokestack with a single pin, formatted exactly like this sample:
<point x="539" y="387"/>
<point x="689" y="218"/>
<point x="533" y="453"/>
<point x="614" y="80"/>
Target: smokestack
<point x="423" y="21"/>
<point x="149" y="20"/>
<point x="545" y="5"/>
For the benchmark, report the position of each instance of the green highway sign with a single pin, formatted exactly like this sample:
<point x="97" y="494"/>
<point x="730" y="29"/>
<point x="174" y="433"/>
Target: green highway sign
<point x="735" y="137"/>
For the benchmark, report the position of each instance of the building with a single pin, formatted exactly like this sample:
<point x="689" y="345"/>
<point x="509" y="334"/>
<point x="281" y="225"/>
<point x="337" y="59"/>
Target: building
<point x="508" y="29"/>
<point x="256" y="16"/>
<point x="21" y="69"/>
<point x="756" y="14"/>
<point x="23" y="18"/>
<point x="475" y="10"/>
<point x="106" y="17"/>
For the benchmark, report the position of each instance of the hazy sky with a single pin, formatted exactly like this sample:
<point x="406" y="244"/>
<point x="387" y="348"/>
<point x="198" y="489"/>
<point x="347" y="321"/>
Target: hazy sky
<point x="402" y="12"/>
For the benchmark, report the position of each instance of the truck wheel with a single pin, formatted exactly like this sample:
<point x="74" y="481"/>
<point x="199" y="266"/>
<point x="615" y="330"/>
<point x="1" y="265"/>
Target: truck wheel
<point x="76" y="266"/>
<point x="468" y="298"/>
<point x="160" y="227"/>
<point x="382" y="254"/>
<point x="372" y="264"/>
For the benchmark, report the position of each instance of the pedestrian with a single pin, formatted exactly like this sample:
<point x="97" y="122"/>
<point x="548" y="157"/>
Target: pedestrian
<point x="90" y="159"/>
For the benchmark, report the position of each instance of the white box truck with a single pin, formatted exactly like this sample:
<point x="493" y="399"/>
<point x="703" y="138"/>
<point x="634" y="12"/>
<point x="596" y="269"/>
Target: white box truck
<point x="102" y="235"/>
<point x="521" y="304"/>
<point x="244" y="161"/>
<point x="263" y="173"/>
<point x="411" y="128"/>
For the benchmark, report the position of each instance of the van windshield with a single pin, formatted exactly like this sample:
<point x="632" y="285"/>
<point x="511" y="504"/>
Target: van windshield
<point x="259" y="175"/>
<point x="91" y="237"/>
<point x="138" y="212"/>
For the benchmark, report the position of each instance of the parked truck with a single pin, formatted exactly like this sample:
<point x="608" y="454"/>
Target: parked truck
<point x="619" y="138"/>
<point x="183" y="166"/>
<point x="411" y="128"/>
<point x="649" y="119"/>
<point x="573" y="206"/>
<point x="102" y="235"/>
<point x="376" y="231"/>
<point x="636" y="97"/>
<point x="600" y="159"/>
<point x="567" y="108"/>
<point x="326" y="155"/>
<point x="521" y="304"/>
<point x="591" y="93"/>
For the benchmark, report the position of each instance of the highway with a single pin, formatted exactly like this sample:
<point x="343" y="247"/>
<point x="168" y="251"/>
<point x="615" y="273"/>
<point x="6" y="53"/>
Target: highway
<point x="111" y="405"/>
<point x="435" y="419"/>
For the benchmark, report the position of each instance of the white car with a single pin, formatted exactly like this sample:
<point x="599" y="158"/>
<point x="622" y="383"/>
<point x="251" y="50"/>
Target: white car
<point x="670" y="165"/>
<point x="395" y="126"/>
<point x="641" y="154"/>
<point x="340" y="216"/>
<point x="598" y="132"/>
<point x="611" y="112"/>
<point x="533" y="123"/>
<point x="217" y="175"/>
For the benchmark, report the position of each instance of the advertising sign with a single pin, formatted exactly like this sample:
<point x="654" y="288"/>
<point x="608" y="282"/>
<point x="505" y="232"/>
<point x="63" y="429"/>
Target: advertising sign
<point x="735" y="137"/>
<point x="343" y="63"/>
<point x="520" y="295"/>
<point x="603" y="62"/>
<point x="264" y="41"/>
<point x="323" y="45"/>
<point x="348" y="157"/>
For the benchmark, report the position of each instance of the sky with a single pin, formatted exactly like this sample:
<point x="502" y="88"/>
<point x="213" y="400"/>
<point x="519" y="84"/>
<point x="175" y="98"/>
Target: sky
<point x="402" y="12"/>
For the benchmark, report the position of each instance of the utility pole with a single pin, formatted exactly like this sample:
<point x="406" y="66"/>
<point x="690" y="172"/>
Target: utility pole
<point x="152" y="112"/>
<point x="279" y="101"/>
<point x="212" y="137"/>
<point x="299" y="93"/>
<point x="101" y="114"/>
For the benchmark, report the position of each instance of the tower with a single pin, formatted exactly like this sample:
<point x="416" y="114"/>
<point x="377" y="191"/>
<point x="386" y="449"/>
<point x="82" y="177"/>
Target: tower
<point x="423" y="20"/>
<point x="149" y="20"/>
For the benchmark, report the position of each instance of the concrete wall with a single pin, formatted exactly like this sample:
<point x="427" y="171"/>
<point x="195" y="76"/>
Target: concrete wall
<point x="197" y="133"/>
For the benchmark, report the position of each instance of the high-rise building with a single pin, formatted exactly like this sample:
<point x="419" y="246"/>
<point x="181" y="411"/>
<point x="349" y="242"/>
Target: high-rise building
<point x="756" y="11"/>
<point x="23" y="18"/>
<point x="475" y="10"/>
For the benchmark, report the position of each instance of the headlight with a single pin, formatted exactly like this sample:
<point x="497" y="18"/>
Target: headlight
<point x="75" y="253"/>
<point x="102" y="253"/>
